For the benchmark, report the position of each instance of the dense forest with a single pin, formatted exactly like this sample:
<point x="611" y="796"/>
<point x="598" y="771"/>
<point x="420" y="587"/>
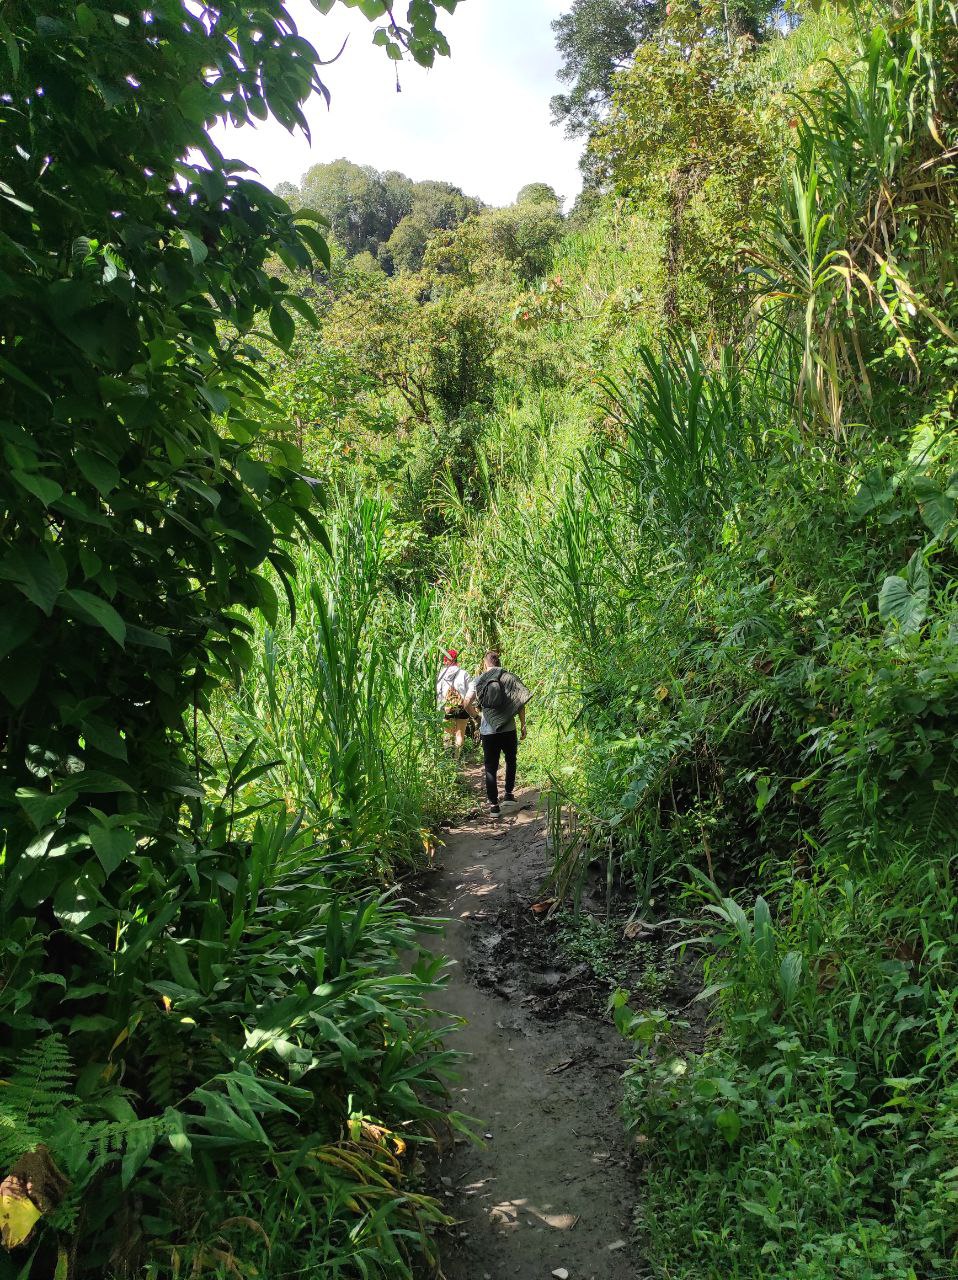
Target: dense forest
<point x="686" y="452"/>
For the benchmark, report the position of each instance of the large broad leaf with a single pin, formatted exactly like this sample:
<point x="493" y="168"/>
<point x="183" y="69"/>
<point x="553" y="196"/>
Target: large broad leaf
<point x="42" y="807"/>
<point x="903" y="601"/>
<point x="282" y="325"/>
<point x="112" y="845"/>
<point x="40" y="574"/>
<point x="40" y="486"/>
<point x="99" y="471"/>
<point x="937" y="507"/>
<point x="875" y="489"/>
<point x="100" y="611"/>
<point x="789" y="975"/>
<point x="17" y="624"/>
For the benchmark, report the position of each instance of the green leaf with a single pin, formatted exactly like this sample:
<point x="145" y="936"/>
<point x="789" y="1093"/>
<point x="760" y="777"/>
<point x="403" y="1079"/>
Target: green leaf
<point x="266" y="600"/>
<point x="39" y="485"/>
<point x="789" y="974"/>
<point x="903" y="601"/>
<point x="13" y="49"/>
<point x="874" y="490"/>
<point x="214" y="397"/>
<point x="139" y="1144"/>
<point x="729" y="1125"/>
<point x="281" y="323"/>
<point x="100" y="612"/>
<point x="40" y="574"/>
<point x="937" y="508"/>
<point x="253" y="474"/>
<point x="86" y="19"/>
<point x="99" y="471"/>
<point x="42" y="807"/>
<point x="92" y="1022"/>
<point x="147" y="639"/>
<point x="316" y="241"/>
<point x="18" y="622"/>
<point x="198" y="249"/>
<point x="105" y="738"/>
<point x="302" y="307"/>
<point x="11" y="370"/>
<point x="111" y="845"/>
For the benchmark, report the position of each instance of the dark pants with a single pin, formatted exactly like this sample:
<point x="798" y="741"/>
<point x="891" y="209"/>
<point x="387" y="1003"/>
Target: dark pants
<point x="494" y="745"/>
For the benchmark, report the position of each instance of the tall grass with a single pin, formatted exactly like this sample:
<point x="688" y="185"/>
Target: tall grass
<point x="339" y="700"/>
<point x="687" y="438"/>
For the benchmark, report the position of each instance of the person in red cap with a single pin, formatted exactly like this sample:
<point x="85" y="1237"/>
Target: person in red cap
<point x="453" y="686"/>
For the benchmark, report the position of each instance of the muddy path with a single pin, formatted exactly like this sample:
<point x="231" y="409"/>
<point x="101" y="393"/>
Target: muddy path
<point x="551" y="1191"/>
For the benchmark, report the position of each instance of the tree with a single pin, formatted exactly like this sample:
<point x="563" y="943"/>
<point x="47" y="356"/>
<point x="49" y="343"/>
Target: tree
<point x="434" y="206"/>
<point x="355" y="201"/>
<point x="404" y="249"/>
<point x="146" y="510"/>
<point x="399" y="195"/>
<point x="515" y="243"/>
<point x="538" y="193"/>
<point x="595" y="39"/>
<point x="364" y="208"/>
<point x="440" y="205"/>
<point x="683" y="139"/>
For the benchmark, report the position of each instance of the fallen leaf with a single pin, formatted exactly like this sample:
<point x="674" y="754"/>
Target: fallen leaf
<point x="616" y="1244"/>
<point x="540" y="908"/>
<point x="662" y="692"/>
<point x="18" y="1217"/>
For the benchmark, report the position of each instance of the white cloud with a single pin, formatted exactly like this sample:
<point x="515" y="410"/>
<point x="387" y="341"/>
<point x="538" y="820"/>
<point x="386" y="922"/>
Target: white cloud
<point x="480" y="118"/>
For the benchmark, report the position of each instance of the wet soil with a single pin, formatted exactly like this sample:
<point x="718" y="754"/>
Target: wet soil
<point x="552" y="1190"/>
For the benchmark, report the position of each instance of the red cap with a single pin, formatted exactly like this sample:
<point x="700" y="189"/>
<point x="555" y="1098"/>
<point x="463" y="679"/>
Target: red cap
<point x="450" y="654"/>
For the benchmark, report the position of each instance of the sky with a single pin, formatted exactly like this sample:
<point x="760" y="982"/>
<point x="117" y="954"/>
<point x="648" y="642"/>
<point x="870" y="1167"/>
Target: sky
<point x="479" y="119"/>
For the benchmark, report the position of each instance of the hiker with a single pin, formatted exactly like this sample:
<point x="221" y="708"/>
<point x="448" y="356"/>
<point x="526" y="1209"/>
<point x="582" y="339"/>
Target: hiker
<point x="501" y="698"/>
<point x="453" y="686"/>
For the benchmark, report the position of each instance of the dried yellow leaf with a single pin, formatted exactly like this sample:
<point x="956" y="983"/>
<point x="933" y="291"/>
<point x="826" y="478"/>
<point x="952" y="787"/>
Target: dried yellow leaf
<point x="18" y="1217"/>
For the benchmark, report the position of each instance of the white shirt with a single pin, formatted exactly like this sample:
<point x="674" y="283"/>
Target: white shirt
<point x="452" y="677"/>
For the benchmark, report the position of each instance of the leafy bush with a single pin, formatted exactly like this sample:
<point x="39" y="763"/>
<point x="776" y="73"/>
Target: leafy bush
<point x="242" y="1042"/>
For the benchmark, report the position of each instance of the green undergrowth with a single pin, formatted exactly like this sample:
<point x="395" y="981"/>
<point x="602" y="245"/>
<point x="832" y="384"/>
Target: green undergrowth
<point x="730" y="571"/>
<point x="615" y="954"/>
<point x="688" y="458"/>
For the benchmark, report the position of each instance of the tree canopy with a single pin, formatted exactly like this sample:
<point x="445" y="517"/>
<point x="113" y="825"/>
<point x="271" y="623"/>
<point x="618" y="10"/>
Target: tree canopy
<point x="538" y="193"/>
<point x="365" y="209"/>
<point x="595" y="39"/>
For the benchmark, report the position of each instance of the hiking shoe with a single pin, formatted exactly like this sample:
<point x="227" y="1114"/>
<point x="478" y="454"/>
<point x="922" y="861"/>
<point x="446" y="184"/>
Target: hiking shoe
<point x="508" y="798"/>
<point x="494" y="811"/>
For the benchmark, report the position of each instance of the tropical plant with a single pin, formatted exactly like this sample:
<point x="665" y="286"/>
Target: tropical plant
<point x="688" y="439"/>
<point x="149" y="513"/>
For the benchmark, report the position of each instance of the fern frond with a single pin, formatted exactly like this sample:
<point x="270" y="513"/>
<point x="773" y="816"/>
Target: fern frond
<point x="32" y="1097"/>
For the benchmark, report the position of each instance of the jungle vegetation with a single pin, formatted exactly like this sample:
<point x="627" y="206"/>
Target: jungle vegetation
<point x="687" y="455"/>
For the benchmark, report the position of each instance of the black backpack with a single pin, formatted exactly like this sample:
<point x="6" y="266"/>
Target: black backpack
<point x="491" y="696"/>
<point x="501" y="693"/>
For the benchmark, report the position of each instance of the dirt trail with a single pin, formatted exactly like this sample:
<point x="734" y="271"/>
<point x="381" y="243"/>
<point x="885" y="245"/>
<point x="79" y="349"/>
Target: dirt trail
<point x="551" y="1189"/>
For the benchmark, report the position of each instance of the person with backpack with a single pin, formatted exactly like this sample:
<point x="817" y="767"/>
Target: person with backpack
<point x="501" y="699"/>
<point x="453" y="686"/>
